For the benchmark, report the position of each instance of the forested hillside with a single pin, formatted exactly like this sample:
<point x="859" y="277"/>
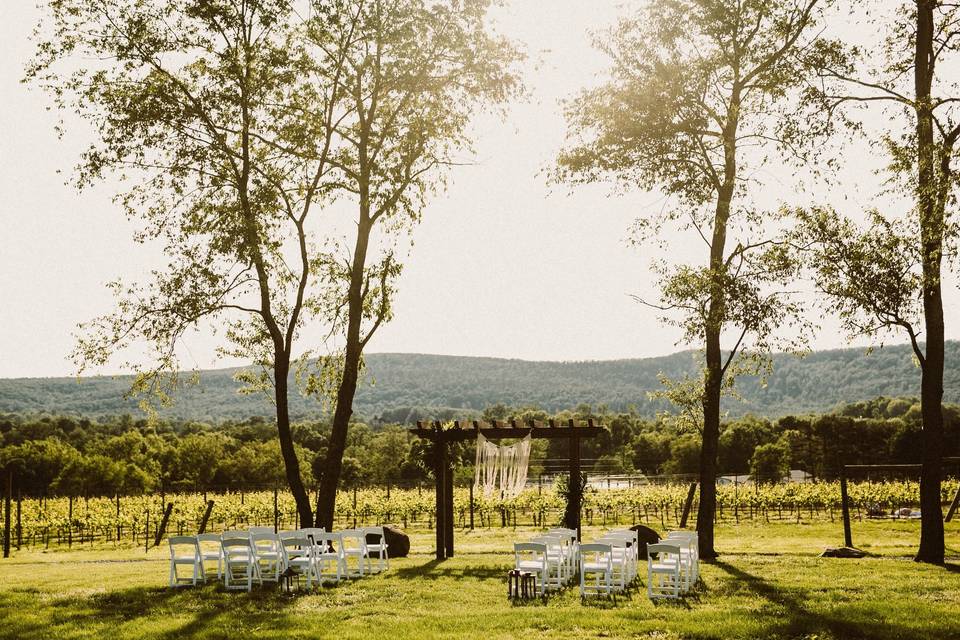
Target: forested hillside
<point x="403" y="387"/>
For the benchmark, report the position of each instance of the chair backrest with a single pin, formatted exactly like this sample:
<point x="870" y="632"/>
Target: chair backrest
<point x="530" y="552"/>
<point x="376" y="533"/>
<point x="236" y="547"/>
<point x="208" y="537"/>
<point x="186" y="544"/>
<point x="261" y="530"/>
<point x="300" y="543"/>
<point x="615" y="540"/>
<point x="312" y="532"/>
<point x="265" y="541"/>
<point x="596" y="552"/>
<point x="689" y="535"/>
<point x="662" y="548"/>
<point x="353" y="539"/>
<point x="563" y="531"/>
<point x="688" y="538"/>
<point x="235" y="533"/>
<point x="624" y="538"/>
<point x="327" y="542"/>
<point x="557" y="543"/>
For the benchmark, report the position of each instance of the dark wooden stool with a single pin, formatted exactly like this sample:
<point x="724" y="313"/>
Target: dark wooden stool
<point x="521" y="584"/>
<point x="528" y="585"/>
<point x="513" y="583"/>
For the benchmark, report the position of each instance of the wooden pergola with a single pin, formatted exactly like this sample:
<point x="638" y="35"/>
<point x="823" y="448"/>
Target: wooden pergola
<point x="572" y="430"/>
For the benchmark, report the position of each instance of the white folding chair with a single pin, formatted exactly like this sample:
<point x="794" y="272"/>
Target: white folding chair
<point x="689" y="555"/>
<point x="185" y="551"/>
<point x="376" y="549"/>
<point x="626" y="551"/>
<point x="570" y="549"/>
<point x="292" y="551"/>
<point x="266" y="549"/>
<point x="328" y="557"/>
<point x="663" y="570"/>
<point x="353" y="546"/>
<point x="210" y="550"/>
<point x="622" y="559"/>
<point x="531" y="557"/>
<point x="298" y="558"/>
<point x="557" y="573"/>
<point x="596" y="560"/>
<point x="240" y="567"/>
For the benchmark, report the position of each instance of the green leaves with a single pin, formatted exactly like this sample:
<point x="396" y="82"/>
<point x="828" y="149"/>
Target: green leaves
<point x="870" y="275"/>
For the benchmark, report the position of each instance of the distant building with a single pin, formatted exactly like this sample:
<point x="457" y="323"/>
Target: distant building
<point x="795" y="475"/>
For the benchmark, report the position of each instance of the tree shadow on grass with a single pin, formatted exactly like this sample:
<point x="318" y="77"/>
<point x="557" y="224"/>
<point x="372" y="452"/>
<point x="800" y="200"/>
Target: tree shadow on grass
<point x="798" y="620"/>
<point x="437" y="569"/>
<point x="161" y="610"/>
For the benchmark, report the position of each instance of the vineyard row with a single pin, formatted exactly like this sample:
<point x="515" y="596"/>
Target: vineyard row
<point x="136" y="519"/>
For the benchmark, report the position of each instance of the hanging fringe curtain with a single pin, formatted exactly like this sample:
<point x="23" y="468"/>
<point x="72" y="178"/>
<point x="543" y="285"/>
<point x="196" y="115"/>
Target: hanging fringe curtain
<point x="508" y="464"/>
<point x="485" y="469"/>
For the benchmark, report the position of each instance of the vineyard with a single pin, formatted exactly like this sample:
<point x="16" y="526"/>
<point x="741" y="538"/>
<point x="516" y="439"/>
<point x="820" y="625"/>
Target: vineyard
<point x="137" y="519"/>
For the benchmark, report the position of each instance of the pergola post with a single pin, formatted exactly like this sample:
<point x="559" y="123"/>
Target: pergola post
<point x="448" y="507"/>
<point x="576" y="489"/>
<point x="440" y="471"/>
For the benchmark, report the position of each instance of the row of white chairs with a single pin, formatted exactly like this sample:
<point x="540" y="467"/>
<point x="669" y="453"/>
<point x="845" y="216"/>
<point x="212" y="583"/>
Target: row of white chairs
<point x="673" y="565"/>
<point x="259" y="555"/>
<point x="611" y="561"/>
<point x="550" y="557"/>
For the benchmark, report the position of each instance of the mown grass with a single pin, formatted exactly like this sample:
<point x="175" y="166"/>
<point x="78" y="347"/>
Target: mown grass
<point x="768" y="583"/>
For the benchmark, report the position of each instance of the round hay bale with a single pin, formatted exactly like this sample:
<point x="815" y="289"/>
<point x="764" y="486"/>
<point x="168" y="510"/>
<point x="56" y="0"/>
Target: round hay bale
<point x="398" y="543"/>
<point x="646" y="536"/>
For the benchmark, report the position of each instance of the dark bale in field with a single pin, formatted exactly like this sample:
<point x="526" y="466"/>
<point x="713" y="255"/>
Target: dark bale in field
<point x="646" y="536"/>
<point x="398" y="543"/>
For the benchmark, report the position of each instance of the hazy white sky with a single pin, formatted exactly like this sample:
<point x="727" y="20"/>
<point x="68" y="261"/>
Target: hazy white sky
<point x="503" y="265"/>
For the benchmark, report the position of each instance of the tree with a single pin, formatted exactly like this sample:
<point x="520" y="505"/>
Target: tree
<point x="198" y="107"/>
<point x="685" y="454"/>
<point x="234" y="121"/>
<point x="888" y="275"/>
<point x="770" y="462"/>
<point x="413" y="73"/>
<point x="698" y="97"/>
<point x="738" y="441"/>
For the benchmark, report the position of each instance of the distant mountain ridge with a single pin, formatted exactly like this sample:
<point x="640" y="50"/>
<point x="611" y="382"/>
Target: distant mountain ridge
<point x="401" y="386"/>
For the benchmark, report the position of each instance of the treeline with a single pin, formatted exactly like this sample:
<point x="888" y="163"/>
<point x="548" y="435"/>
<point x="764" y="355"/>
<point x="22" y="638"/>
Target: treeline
<point x="63" y="455"/>
<point x="408" y="387"/>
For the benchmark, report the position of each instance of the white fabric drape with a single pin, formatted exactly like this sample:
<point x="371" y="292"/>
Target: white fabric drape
<point x="508" y="464"/>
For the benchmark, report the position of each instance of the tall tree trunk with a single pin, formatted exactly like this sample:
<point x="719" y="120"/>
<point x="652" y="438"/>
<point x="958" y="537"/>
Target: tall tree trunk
<point x="333" y="464"/>
<point x="281" y="369"/>
<point x="708" y="450"/>
<point x="931" y="237"/>
<point x="713" y="374"/>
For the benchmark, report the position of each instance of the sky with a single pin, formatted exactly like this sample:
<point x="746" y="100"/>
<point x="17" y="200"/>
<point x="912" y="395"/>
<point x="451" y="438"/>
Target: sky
<point x="504" y="264"/>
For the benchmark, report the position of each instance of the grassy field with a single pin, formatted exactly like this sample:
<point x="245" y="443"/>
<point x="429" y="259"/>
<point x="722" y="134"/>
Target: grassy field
<point x="768" y="583"/>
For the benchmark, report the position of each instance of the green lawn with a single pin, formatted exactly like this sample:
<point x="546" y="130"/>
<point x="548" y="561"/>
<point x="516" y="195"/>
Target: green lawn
<point x="768" y="584"/>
